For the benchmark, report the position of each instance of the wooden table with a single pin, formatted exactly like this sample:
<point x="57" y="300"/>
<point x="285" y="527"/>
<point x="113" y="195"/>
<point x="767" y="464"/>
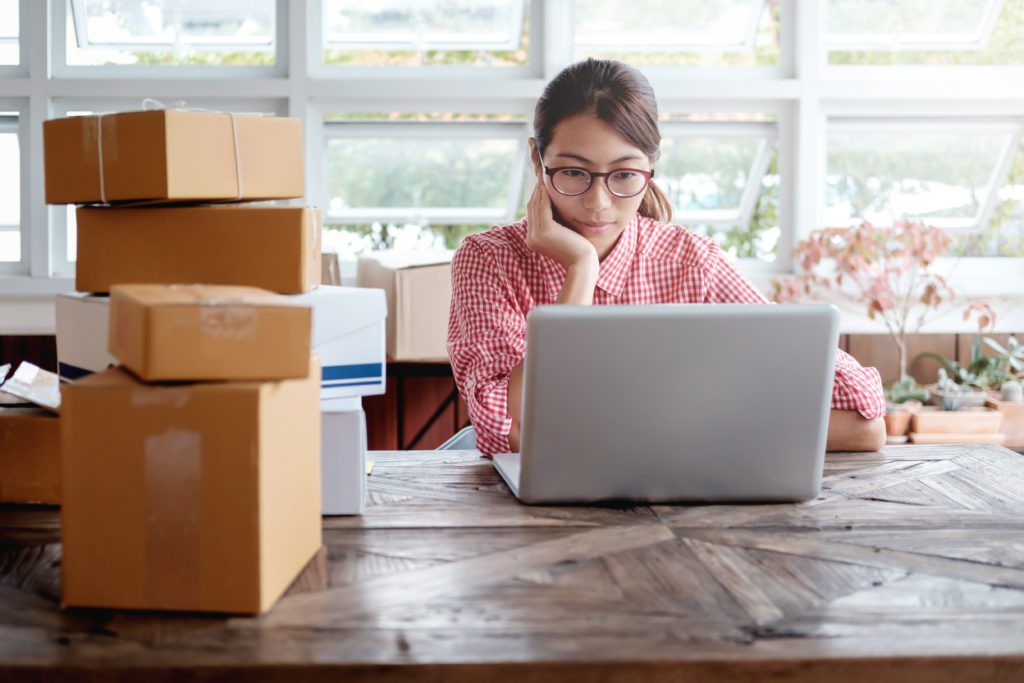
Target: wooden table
<point x="910" y="565"/>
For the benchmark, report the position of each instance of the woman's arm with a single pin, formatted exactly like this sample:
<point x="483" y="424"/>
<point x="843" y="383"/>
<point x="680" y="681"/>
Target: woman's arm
<point x="578" y="289"/>
<point x="848" y="430"/>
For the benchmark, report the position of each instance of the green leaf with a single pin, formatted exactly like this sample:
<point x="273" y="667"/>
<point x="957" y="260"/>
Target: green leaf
<point x="995" y="346"/>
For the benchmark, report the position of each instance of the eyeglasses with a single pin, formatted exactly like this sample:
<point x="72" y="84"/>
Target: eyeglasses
<point x="621" y="182"/>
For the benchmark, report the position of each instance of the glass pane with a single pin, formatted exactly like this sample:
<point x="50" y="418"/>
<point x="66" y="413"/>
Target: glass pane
<point x="9" y="28"/>
<point x="942" y="177"/>
<point x="1004" y="234"/>
<point x="922" y="32"/>
<point x="172" y="32"/>
<point x="10" y="198"/>
<point x="427" y="32"/>
<point x="706" y="177"/>
<point x="420" y="173"/>
<point x="705" y="33"/>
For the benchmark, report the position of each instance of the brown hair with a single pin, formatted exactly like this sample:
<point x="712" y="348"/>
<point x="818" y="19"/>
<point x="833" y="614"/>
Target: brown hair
<point x="617" y="94"/>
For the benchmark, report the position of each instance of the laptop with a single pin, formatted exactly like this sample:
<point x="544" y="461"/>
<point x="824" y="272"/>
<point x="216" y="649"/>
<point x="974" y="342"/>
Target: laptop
<point x="674" y="403"/>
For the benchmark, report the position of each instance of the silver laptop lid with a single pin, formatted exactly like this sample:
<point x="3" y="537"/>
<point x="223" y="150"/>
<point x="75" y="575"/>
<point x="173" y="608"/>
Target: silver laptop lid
<point x="676" y="402"/>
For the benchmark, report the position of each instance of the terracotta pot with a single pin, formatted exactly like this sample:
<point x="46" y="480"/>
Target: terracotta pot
<point x="1012" y="425"/>
<point x="897" y="422"/>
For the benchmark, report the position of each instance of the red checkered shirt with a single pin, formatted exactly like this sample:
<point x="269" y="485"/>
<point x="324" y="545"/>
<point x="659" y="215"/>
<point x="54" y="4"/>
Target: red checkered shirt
<point x="497" y="280"/>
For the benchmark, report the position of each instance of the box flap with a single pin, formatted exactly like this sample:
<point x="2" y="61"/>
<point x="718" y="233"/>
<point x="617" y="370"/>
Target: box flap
<point x="338" y="311"/>
<point x="398" y="259"/>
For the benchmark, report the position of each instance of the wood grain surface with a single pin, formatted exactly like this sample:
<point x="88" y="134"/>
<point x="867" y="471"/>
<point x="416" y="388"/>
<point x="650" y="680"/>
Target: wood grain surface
<point x="909" y="566"/>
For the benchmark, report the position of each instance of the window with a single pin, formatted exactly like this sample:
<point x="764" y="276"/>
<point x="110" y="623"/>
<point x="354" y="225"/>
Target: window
<point x="947" y="174"/>
<point x="419" y="182"/>
<point x="9" y="28"/>
<point x="165" y="32"/>
<point x="714" y="174"/>
<point x="922" y="32"/>
<point x="10" y="189"/>
<point x="425" y="32"/>
<point x="705" y="33"/>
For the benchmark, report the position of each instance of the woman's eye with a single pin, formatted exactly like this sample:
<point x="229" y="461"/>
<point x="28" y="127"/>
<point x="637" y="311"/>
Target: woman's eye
<point x="574" y="173"/>
<point x="625" y="175"/>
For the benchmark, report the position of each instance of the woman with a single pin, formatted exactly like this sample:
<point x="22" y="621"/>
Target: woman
<point x="597" y="232"/>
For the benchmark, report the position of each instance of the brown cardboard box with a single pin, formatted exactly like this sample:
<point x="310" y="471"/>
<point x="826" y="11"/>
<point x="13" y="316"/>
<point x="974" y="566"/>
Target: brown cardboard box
<point x="197" y="497"/>
<point x="208" y="332"/>
<point x="172" y="155"/>
<point x="419" y="292"/>
<point x="29" y="456"/>
<point x="272" y="247"/>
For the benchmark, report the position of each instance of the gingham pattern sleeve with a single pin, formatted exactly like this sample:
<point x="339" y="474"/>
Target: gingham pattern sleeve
<point x="486" y="340"/>
<point x="855" y="387"/>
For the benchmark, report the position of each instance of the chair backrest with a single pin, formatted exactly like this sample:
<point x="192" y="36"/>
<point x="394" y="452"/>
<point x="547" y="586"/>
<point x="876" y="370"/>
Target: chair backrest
<point x="464" y="440"/>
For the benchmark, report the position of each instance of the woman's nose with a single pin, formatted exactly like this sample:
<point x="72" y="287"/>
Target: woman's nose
<point x="597" y="196"/>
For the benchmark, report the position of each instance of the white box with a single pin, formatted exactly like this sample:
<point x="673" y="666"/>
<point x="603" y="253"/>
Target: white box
<point x="348" y="335"/>
<point x="343" y="458"/>
<point x="82" y="329"/>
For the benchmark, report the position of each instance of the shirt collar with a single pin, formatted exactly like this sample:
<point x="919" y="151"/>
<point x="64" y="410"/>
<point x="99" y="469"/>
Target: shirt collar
<point x="614" y="269"/>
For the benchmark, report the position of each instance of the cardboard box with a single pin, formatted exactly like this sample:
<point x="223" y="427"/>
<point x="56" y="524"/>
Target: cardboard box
<point x="209" y="332"/>
<point x="170" y="155"/>
<point x="272" y="247"/>
<point x="29" y="456"/>
<point x="330" y="269"/>
<point x="198" y="497"/>
<point x="348" y="336"/>
<point x="343" y="473"/>
<point x="82" y="323"/>
<point x="419" y="293"/>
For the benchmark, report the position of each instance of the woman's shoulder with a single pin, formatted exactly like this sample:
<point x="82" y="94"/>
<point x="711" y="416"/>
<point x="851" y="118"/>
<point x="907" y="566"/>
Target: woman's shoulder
<point x="497" y="241"/>
<point x="669" y="242"/>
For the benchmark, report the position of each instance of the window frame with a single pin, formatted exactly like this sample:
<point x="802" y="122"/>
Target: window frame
<point x="802" y="92"/>
<point x="60" y="15"/>
<point x="319" y="70"/>
<point x="512" y="130"/>
<point x="1000" y="169"/>
<point x="765" y="132"/>
<point x="988" y="24"/>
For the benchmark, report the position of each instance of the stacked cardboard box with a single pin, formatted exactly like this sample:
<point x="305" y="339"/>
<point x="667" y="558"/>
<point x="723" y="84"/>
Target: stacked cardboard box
<point x="204" y="495"/>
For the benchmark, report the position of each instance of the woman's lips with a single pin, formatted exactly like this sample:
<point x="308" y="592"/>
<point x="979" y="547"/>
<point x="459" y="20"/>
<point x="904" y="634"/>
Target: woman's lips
<point x="593" y="227"/>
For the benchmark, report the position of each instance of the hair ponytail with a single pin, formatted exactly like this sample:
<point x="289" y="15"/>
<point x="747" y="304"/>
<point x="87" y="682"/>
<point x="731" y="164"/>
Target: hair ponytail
<point x="655" y="204"/>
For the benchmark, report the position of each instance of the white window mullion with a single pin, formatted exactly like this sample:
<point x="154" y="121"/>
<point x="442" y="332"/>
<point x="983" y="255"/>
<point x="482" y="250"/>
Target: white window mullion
<point x="806" y="177"/>
<point x="36" y="231"/>
<point x="558" y="33"/>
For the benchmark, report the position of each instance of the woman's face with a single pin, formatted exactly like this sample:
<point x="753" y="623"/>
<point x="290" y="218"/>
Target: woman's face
<point x="585" y="141"/>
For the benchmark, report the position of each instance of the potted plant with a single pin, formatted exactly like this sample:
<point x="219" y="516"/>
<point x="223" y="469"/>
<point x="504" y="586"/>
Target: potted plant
<point x="902" y="398"/>
<point x="1009" y="400"/>
<point x="888" y="272"/>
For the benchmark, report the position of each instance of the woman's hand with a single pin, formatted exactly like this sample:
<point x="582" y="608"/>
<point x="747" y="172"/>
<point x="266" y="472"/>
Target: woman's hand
<point x="546" y="236"/>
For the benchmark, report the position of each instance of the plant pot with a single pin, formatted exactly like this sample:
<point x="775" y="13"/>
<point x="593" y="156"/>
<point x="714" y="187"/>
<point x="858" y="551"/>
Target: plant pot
<point x="897" y="422"/>
<point x="1012" y="425"/>
<point x="970" y="425"/>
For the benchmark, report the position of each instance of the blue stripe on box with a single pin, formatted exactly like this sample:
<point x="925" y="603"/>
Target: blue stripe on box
<point x="332" y="373"/>
<point x="71" y="372"/>
<point x="349" y="384"/>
